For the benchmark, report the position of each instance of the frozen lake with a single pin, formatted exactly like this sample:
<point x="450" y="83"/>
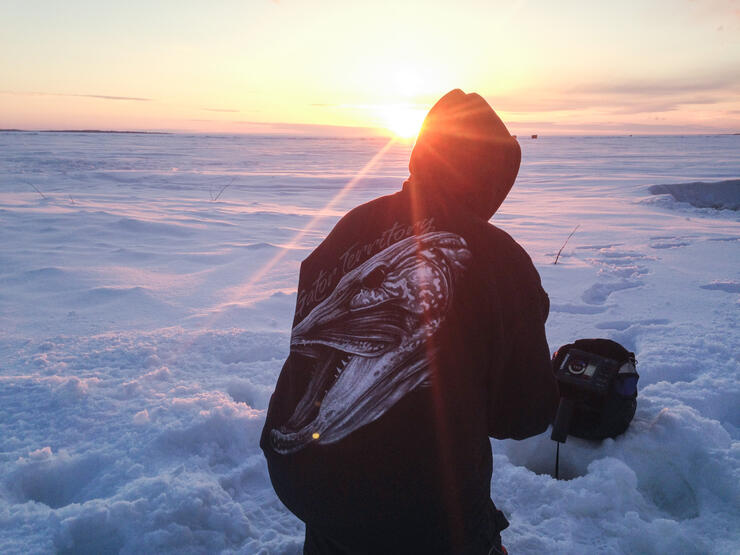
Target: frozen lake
<point x="147" y="290"/>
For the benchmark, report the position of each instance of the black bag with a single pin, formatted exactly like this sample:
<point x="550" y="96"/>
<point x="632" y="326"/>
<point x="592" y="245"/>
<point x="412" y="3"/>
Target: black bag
<point x="600" y="377"/>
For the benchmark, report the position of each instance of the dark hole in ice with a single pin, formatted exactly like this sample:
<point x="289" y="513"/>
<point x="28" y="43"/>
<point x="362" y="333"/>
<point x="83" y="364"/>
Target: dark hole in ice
<point x="538" y="455"/>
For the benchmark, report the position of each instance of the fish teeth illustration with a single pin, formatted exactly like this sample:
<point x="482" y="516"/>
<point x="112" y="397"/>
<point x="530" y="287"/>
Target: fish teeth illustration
<point x="369" y="338"/>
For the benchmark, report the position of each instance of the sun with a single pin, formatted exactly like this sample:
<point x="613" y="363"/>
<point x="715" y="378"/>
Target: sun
<point x="403" y="120"/>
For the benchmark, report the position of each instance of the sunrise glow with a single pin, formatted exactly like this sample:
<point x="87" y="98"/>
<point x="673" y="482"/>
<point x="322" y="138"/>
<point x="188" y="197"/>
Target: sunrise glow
<point x="403" y="121"/>
<point x="365" y="68"/>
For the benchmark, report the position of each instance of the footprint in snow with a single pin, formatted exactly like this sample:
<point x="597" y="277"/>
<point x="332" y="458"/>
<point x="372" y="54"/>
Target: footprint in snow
<point x="669" y="242"/>
<point x="621" y="325"/>
<point x="599" y="292"/>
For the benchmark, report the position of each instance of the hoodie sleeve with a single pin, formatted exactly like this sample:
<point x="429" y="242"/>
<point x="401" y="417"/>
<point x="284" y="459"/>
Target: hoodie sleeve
<point x="522" y="390"/>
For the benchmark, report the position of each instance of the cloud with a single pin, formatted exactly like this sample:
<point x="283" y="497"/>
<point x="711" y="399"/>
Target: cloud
<point x="107" y="97"/>
<point x="627" y="97"/>
<point x="308" y="129"/>
<point x="372" y="107"/>
<point x="655" y="126"/>
<point x="229" y="110"/>
<point x="98" y="96"/>
<point x="639" y="106"/>
<point x="634" y="97"/>
<point x="654" y="87"/>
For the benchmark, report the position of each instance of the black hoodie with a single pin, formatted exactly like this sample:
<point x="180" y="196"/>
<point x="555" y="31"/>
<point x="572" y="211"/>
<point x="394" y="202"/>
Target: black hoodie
<point x="418" y="333"/>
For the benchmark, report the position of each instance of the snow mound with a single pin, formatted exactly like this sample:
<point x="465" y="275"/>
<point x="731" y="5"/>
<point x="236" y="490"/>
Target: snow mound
<point x="727" y="286"/>
<point x="722" y="195"/>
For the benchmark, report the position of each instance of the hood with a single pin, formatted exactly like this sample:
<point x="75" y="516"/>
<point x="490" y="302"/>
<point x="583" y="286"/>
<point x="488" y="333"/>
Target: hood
<point x="465" y="152"/>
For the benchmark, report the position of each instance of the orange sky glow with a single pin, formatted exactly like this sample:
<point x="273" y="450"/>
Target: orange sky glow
<point x="363" y="68"/>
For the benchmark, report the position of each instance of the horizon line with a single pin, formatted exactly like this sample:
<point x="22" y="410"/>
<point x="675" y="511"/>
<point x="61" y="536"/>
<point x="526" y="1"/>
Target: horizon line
<point x="376" y="134"/>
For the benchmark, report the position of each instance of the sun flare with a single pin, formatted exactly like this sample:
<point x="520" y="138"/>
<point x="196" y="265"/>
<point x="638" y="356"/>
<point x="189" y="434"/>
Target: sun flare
<point x="403" y="120"/>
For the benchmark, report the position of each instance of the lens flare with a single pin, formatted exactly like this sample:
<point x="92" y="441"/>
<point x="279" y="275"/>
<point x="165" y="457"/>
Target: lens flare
<point x="403" y="120"/>
<point x="242" y="290"/>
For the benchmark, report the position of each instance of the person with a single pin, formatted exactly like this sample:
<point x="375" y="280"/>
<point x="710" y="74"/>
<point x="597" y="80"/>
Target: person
<point x="418" y="333"/>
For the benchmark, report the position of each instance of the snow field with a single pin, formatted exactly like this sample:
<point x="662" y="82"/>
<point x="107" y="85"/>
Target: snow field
<point x="142" y="327"/>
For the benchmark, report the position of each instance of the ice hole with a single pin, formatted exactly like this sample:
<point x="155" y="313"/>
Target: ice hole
<point x="538" y="455"/>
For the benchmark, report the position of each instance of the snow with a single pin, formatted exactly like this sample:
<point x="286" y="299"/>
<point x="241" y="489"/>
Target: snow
<point x="143" y="325"/>
<point x="722" y="195"/>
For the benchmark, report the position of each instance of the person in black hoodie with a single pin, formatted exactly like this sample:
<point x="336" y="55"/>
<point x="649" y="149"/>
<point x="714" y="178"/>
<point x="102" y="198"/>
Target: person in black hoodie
<point x="419" y="332"/>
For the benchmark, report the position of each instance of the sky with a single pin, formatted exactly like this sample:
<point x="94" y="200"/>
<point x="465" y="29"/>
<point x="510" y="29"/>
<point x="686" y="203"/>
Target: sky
<point x="356" y="67"/>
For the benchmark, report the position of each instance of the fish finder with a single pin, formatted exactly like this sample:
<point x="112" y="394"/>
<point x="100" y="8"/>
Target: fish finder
<point x="587" y="371"/>
<point x="597" y="379"/>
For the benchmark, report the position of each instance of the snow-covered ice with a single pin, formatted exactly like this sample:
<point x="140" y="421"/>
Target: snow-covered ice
<point x="143" y="325"/>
